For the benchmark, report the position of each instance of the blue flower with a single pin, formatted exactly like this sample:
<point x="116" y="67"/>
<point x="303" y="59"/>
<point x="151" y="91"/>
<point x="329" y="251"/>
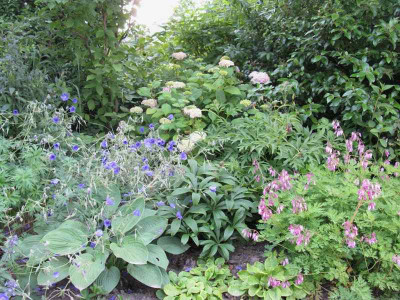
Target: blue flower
<point x="146" y="168"/>
<point x="52" y="156"/>
<point x="75" y="148"/>
<point x="92" y="245"/>
<point x="179" y="215"/>
<point x="54" y="181"/>
<point x="64" y="96"/>
<point x="125" y="142"/>
<point x="56" y="146"/>
<point x="171" y="117"/>
<point x="183" y="156"/>
<point x="172" y="205"/>
<point x="113" y="164"/>
<point x="160" y="203"/>
<point x="56" y="120"/>
<point x="72" y="109"/>
<point x="107" y="223"/>
<point x="151" y="126"/>
<point x="3" y="296"/>
<point x="56" y="274"/>
<point x="141" y="129"/>
<point x="81" y="185"/>
<point x="213" y="189"/>
<point x="188" y="269"/>
<point x="171" y="173"/>
<point x="171" y="145"/>
<point x="149" y="173"/>
<point x="75" y="100"/>
<point x="99" y="233"/>
<point x="160" y="142"/>
<point x="15" y="112"/>
<point x="116" y="170"/>
<point x="136" y="213"/>
<point x="109" y="201"/>
<point x="144" y="159"/>
<point x="104" y="144"/>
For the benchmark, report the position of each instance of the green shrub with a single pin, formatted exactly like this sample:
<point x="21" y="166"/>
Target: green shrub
<point x="207" y="207"/>
<point x="343" y="56"/>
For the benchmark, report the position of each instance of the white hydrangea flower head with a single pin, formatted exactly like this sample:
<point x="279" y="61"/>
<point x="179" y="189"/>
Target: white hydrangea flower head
<point x="259" y="77"/>
<point x="226" y="63"/>
<point x="179" y="55"/>
<point x="165" y="121"/>
<point x="192" y="111"/>
<point x="187" y="144"/>
<point x="176" y="84"/>
<point x="150" y="102"/>
<point x="136" y="110"/>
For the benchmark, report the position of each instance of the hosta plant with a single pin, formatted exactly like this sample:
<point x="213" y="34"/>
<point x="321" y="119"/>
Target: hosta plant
<point x="275" y="279"/>
<point x="209" y="280"/>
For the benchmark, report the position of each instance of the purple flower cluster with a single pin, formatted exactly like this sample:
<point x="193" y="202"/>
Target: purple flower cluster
<point x="298" y="205"/>
<point x="301" y="236"/>
<point x="251" y="234"/>
<point x="370" y="240"/>
<point x="351" y="232"/>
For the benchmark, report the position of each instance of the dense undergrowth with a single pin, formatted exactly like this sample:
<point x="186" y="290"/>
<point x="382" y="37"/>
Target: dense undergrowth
<point x="245" y="121"/>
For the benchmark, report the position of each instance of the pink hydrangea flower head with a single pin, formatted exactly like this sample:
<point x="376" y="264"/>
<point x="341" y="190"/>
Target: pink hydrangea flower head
<point x="259" y="77"/>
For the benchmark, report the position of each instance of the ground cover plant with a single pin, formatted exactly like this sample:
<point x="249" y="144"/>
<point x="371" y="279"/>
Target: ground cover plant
<point x="122" y="152"/>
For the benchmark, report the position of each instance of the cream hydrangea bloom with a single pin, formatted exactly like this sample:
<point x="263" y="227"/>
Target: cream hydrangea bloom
<point x="176" y="84"/>
<point x="150" y="102"/>
<point x="136" y="110"/>
<point x="187" y="144"/>
<point x="179" y="55"/>
<point x="165" y="121"/>
<point x="192" y="111"/>
<point x="226" y="63"/>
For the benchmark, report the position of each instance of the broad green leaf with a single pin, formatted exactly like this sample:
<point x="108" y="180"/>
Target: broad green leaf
<point x="172" y="245"/>
<point x="149" y="275"/>
<point x="53" y="271"/>
<point x="108" y="279"/>
<point x="166" y="108"/>
<point x="180" y="191"/>
<point x="131" y="250"/>
<point x="144" y="91"/>
<point x="123" y="224"/>
<point x="232" y="90"/>
<point x="99" y="89"/>
<point x="85" y="269"/>
<point x="220" y="95"/>
<point x="150" y="228"/>
<point x="64" y="241"/>
<point x="171" y="290"/>
<point x="175" y="225"/>
<point x="157" y="256"/>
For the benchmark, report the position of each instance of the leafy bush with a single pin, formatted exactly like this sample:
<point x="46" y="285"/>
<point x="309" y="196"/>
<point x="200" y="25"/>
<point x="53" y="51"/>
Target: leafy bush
<point x="209" y="280"/>
<point x="343" y="221"/>
<point x="343" y="57"/>
<point x="207" y="207"/>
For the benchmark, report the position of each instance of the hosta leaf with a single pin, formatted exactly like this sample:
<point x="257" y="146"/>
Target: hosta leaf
<point x="53" y="271"/>
<point x="151" y="228"/>
<point x="149" y="275"/>
<point x="64" y="241"/>
<point x="157" y="256"/>
<point x="108" y="279"/>
<point x="172" y="245"/>
<point x="131" y="250"/>
<point x="85" y="269"/>
<point x="125" y="223"/>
